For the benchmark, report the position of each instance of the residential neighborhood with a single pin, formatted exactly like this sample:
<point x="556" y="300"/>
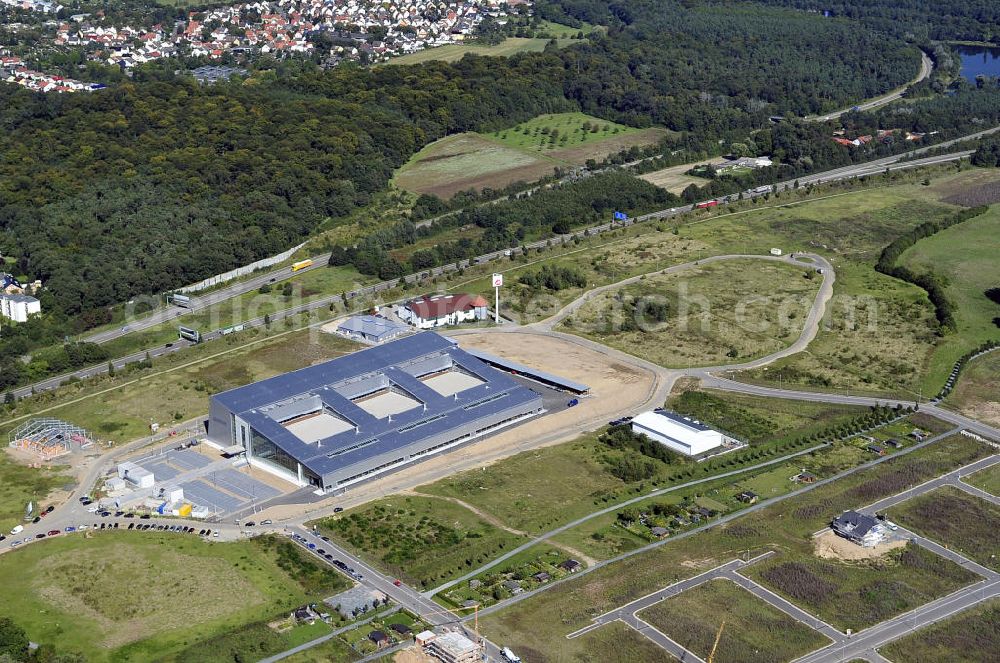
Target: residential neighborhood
<point x="357" y="30"/>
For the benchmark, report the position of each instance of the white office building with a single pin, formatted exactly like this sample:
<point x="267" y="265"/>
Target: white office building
<point x="18" y="307"/>
<point x="679" y="433"/>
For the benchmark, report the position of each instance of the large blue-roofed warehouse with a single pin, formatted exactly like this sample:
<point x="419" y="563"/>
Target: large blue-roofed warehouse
<point x="343" y="421"/>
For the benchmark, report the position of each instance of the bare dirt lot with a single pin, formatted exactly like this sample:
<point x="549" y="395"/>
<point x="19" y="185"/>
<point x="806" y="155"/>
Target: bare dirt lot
<point x="616" y="387"/>
<point x="830" y="546"/>
<point x="674" y="178"/>
<point x="413" y="655"/>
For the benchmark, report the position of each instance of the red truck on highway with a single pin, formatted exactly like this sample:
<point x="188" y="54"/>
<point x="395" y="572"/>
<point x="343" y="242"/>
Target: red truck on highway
<point x="706" y="204"/>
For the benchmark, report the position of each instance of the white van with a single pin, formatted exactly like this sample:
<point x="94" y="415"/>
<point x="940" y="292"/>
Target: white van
<point x="17" y="529"/>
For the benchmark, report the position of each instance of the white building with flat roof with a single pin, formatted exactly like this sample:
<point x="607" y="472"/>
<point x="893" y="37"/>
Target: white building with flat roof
<point x="679" y="433"/>
<point x="19" y="307"/>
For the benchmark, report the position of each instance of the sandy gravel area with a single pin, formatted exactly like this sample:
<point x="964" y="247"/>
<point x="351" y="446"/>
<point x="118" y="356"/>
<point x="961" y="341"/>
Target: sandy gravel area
<point x="830" y="546"/>
<point x="616" y="387"/>
<point x="413" y="654"/>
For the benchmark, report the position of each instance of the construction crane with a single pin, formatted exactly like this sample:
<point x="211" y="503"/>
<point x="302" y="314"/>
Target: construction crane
<point x="718" y="636"/>
<point x="454" y="611"/>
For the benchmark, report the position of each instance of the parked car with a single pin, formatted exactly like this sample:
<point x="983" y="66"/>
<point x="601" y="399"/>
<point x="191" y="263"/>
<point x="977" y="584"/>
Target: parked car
<point x="49" y="509"/>
<point x="266" y="522"/>
<point x="17" y="529"/>
<point x="54" y="532"/>
<point x="70" y="529"/>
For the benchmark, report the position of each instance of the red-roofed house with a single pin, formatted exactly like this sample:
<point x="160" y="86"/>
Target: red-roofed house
<point x="439" y="310"/>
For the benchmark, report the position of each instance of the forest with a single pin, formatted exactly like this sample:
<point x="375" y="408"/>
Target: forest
<point x="968" y="20"/>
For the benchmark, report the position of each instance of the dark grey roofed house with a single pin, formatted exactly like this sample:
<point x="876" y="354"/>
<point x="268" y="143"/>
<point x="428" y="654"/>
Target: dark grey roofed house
<point x="660" y="532"/>
<point x="402" y="629"/>
<point x="570" y="566"/>
<point x="541" y="577"/>
<point x="857" y="527"/>
<point x="380" y="638"/>
<point x="512" y="586"/>
<point x="747" y="496"/>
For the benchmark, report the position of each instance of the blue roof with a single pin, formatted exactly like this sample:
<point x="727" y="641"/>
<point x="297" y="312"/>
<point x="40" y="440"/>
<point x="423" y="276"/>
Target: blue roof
<point x="371" y="326"/>
<point x="529" y="371"/>
<point x="372" y="436"/>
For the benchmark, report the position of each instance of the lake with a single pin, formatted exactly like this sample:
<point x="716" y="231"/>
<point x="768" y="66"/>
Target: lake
<point x="979" y="61"/>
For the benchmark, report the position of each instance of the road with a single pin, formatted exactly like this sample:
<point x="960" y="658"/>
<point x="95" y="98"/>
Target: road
<point x="712" y="381"/>
<point x="763" y="504"/>
<point x="860" y="645"/>
<point x="926" y="68"/>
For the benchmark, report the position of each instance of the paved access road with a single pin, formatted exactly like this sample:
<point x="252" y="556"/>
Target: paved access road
<point x="926" y="68"/>
<point x="860" y="645"/>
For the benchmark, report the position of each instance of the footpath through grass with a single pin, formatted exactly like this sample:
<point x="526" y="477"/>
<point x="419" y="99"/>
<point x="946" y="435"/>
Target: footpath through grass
<point x="971" y="636"/>
<point x="143" y="596"/>
<point x="540" y="623"/>
<point x="718" y="313"/>
<point x="755" y="632"/>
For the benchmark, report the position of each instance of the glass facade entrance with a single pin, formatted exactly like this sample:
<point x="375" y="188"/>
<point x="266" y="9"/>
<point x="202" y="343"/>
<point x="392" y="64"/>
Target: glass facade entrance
<point x="267" y="450"/>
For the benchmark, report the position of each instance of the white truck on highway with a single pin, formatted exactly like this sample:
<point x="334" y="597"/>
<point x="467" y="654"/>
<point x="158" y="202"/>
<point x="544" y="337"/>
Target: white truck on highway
<point x="510" y="656"/>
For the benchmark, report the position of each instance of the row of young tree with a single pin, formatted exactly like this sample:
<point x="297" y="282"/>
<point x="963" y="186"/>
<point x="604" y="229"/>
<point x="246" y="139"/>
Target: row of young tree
<point x="932" y="283"/>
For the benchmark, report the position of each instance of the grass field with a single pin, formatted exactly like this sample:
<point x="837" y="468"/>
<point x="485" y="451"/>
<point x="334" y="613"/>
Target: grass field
<point x="20" y="484"/>
<point x="977" y="393"/>
<point x="758" y="419"/>
<point x="523" y="153"/>
<point x="123" y="596"/>
<point x="966" y="255"/>
<point x="971" y="636"/>
<point x="674" y="178"/>
<point x="560" y="131"/>
<point x="988" y="480"/>
<point x="469" y="161"/>
<point x="454" y="52"/>
<point x="573" y="483"/>
<point x="862" y="594"/>
<point x="754" y="632"/>
<point x="955" y="519"/>
<point x="606" y="536"/>
<point x="540" y="623"/>
<point x="547" y="30"/>
<point x="421" y="539"/>
<point x="715" y="314"/>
